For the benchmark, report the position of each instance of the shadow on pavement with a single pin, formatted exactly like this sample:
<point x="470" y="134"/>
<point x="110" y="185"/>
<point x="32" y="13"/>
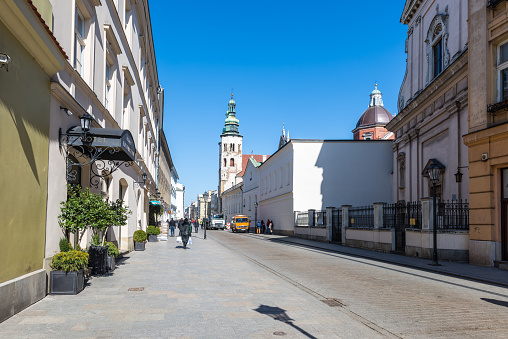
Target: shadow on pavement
<point x="279" y="314"/>
<point x="496" y="302"/>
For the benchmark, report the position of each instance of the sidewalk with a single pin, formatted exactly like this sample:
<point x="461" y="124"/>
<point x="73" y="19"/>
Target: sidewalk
<point x="490" y="275"/>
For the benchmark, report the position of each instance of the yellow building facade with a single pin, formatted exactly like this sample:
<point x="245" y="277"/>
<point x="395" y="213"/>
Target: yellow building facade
<point x="24" y="142"/>
<point x="487" y="137"/>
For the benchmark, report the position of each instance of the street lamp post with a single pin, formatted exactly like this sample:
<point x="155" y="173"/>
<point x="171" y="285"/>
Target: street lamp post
<point x="204" y="223"/>
<point x="434" y="170"/>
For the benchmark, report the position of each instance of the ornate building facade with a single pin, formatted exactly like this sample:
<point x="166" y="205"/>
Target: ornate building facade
<point x="433" y="101"/>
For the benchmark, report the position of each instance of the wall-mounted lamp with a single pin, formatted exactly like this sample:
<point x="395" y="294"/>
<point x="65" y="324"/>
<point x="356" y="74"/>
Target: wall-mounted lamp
<point x="66" y="110"/>
<point x="86" y="122"/>
<point x="144" y="176"/>
<point x="458" y="175"/>
<point x="4" y="61"/>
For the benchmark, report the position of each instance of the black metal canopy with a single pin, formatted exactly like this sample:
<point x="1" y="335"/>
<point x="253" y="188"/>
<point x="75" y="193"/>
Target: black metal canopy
<point x="112" y="144"/>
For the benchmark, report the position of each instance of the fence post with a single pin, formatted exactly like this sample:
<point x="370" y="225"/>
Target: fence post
<point x="427" y="209"/>
<point x="311" y="215"/>
<point x="378" y="214"/>
<point x="329" y="220"/>
<point x="345" y="222"/>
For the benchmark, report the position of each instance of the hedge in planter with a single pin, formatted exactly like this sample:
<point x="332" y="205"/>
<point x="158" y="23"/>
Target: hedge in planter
<point x="139" y="238"/>
<point x="113" y="252"/>
<point x="153" y="232"/>
<point x="68" y="275"/>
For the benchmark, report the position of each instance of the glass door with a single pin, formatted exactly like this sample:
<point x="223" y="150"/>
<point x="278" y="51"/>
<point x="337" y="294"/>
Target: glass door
<point x="504" y="215"/>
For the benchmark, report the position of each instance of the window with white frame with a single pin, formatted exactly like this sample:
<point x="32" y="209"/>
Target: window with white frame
<point x="438" y="55"/>
<point x="502" y="72"/>
<point x="79" y="41"/>
<point x="107" y="86"/>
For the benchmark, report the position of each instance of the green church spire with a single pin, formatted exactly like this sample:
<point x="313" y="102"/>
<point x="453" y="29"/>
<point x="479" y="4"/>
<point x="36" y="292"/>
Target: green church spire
<point x="231" y="125"/>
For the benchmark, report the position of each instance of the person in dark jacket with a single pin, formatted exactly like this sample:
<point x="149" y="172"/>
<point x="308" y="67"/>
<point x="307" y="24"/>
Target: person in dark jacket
<point x="185" y="232"/>
<point x="172" y="225"/>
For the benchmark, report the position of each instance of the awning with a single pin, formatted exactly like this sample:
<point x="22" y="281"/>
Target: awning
<point x="110" y="143"/>
<point x="155" y="202"/>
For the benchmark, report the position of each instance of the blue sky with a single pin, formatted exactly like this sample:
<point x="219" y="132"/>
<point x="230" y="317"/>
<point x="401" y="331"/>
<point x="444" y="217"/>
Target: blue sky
<point x="310" y="65"/>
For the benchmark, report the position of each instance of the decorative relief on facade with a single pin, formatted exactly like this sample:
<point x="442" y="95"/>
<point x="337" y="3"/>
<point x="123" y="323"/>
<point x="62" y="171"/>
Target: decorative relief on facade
<point x="401" y="159"/>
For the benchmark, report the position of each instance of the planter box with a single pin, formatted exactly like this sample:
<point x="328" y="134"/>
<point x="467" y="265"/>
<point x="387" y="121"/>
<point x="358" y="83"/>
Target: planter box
<point x="139" y="246"/>
<point x="61" y="282"/>
<point x="98" y="259"/>
<point x="152" y="238"/>
<point x="111" y="263"/>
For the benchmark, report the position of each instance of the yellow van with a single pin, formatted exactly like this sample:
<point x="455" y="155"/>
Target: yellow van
<point x="240" y="223"/>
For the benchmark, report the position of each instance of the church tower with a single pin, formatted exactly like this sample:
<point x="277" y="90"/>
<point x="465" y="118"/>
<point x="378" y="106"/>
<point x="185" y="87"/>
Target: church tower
<point x="230" y="150"/>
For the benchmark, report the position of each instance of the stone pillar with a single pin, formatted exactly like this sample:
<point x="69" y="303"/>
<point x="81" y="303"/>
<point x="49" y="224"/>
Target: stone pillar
<point x="427" y="214"/>
<point x="378" y="214"/>
<point x="345" y="221"/>
<point x="311" y="217"/>
<point x="329" y="225"/>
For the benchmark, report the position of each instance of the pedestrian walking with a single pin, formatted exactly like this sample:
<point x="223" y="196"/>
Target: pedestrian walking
<point x="185" y="232"/>
<point x="180" y="222"/>
<point x="258" y="227"/>
<point x="270" y="228"/>
<point x="263" y="226"/>
<point x="196" y="226"/>
<point x="267" y="229"/>
<point x="172" y="225"/>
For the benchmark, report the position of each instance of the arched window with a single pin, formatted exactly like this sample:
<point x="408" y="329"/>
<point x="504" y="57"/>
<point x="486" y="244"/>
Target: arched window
<point x="274" y="180"/>
<point x="438" y="55"/>
<point x="281" y="176"/>
<point x="232" y="162"/>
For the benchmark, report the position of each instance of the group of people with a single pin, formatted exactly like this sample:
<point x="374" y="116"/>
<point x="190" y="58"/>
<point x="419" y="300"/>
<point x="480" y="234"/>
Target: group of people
<point x="184" y="229"/>
<point x="262" y="228"/>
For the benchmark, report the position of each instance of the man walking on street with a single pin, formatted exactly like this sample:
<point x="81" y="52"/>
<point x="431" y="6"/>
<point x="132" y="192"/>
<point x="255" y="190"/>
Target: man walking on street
<point x="172" y="225"/>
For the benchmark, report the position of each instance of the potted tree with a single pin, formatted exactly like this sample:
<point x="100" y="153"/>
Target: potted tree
<point x="139" y="238"/>
<point x="153" y="232"/>
<point x="113" y="252"/>
<point x="67" y="276"/>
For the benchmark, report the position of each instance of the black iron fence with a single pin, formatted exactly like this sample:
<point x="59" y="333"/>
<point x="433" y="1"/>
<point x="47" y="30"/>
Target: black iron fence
<point x="319" y="218"/>
<point x="453" y="215"/>
<point x="406" y="215"/>
<point x="361" y="217"/>
<point x="302" y="218"/>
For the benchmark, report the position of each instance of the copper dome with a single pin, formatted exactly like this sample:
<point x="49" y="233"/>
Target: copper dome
<point x="375" y="115"/>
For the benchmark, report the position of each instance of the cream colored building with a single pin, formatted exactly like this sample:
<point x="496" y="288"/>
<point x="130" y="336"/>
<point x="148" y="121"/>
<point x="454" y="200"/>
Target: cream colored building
<point x="487" y="136"/>
<point x="111" y="74"/>
<point x="433" y="101"/>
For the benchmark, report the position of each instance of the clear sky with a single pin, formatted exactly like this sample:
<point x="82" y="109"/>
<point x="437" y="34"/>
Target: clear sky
<point x="308" y="64"/>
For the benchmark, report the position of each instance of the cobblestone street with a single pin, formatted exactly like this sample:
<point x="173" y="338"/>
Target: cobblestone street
<point x="249" y="286"/>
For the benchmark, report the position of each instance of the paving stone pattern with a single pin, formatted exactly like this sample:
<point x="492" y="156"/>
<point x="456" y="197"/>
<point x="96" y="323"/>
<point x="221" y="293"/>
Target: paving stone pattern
<point x="407" y="302"/>
<point x="206" y="291"/>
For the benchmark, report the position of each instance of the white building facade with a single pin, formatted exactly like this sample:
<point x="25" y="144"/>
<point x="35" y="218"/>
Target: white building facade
<point x="179" y="201"/>
<point x="111" y="75"/>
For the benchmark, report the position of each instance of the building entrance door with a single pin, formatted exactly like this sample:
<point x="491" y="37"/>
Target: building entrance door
<point x="504" y="216"/>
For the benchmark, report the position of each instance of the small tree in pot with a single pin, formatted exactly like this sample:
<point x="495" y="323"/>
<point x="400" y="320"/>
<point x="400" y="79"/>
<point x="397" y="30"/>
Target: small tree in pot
<point x="153" y="232"/>
<point x="113" y="252"/>
<point x="139" y="238"/>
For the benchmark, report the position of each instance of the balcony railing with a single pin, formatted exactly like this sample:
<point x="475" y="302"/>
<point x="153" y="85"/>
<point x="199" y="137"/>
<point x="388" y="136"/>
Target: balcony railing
<point x="493" y="3"/>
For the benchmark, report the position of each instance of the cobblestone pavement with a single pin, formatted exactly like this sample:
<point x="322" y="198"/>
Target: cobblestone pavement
<point x="206" y="291"/>
<point x="407" y="302"/>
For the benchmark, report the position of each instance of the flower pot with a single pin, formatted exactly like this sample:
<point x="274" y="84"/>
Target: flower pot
<point x="110" y="263"/>
<point x="61" y="282"/>
<point x="98" y="259"/>
<point x="152" y="238"/>
<point x="139" y="246"/>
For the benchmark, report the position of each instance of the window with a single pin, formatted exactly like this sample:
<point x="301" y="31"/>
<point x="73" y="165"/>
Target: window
<point x="79" y="41"/>
<point x="274" y="180"/>
<point x="287" y="174"/>
<point x="232" y="162"/>
<point x="281" y="177"/>
<point x="437" y="54"/>
<point x="225" y="163"/>
<point x="239" y="148"/>
<point x="107" y="97"/>
<point x="502" y="71"/>
<point x="225" y="148"/>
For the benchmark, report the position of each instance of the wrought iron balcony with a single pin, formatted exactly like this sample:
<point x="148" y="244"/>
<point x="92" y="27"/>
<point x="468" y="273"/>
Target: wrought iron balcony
<point x="493" y="3"/>
<point x="497" y="107"/>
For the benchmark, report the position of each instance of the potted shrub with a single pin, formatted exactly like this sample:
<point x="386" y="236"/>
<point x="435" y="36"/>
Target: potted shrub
<point x="67" y="276"/>
<point x="139" y="238"/>
<point x="113" y="252"/>
<point x="152" y="232"/>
